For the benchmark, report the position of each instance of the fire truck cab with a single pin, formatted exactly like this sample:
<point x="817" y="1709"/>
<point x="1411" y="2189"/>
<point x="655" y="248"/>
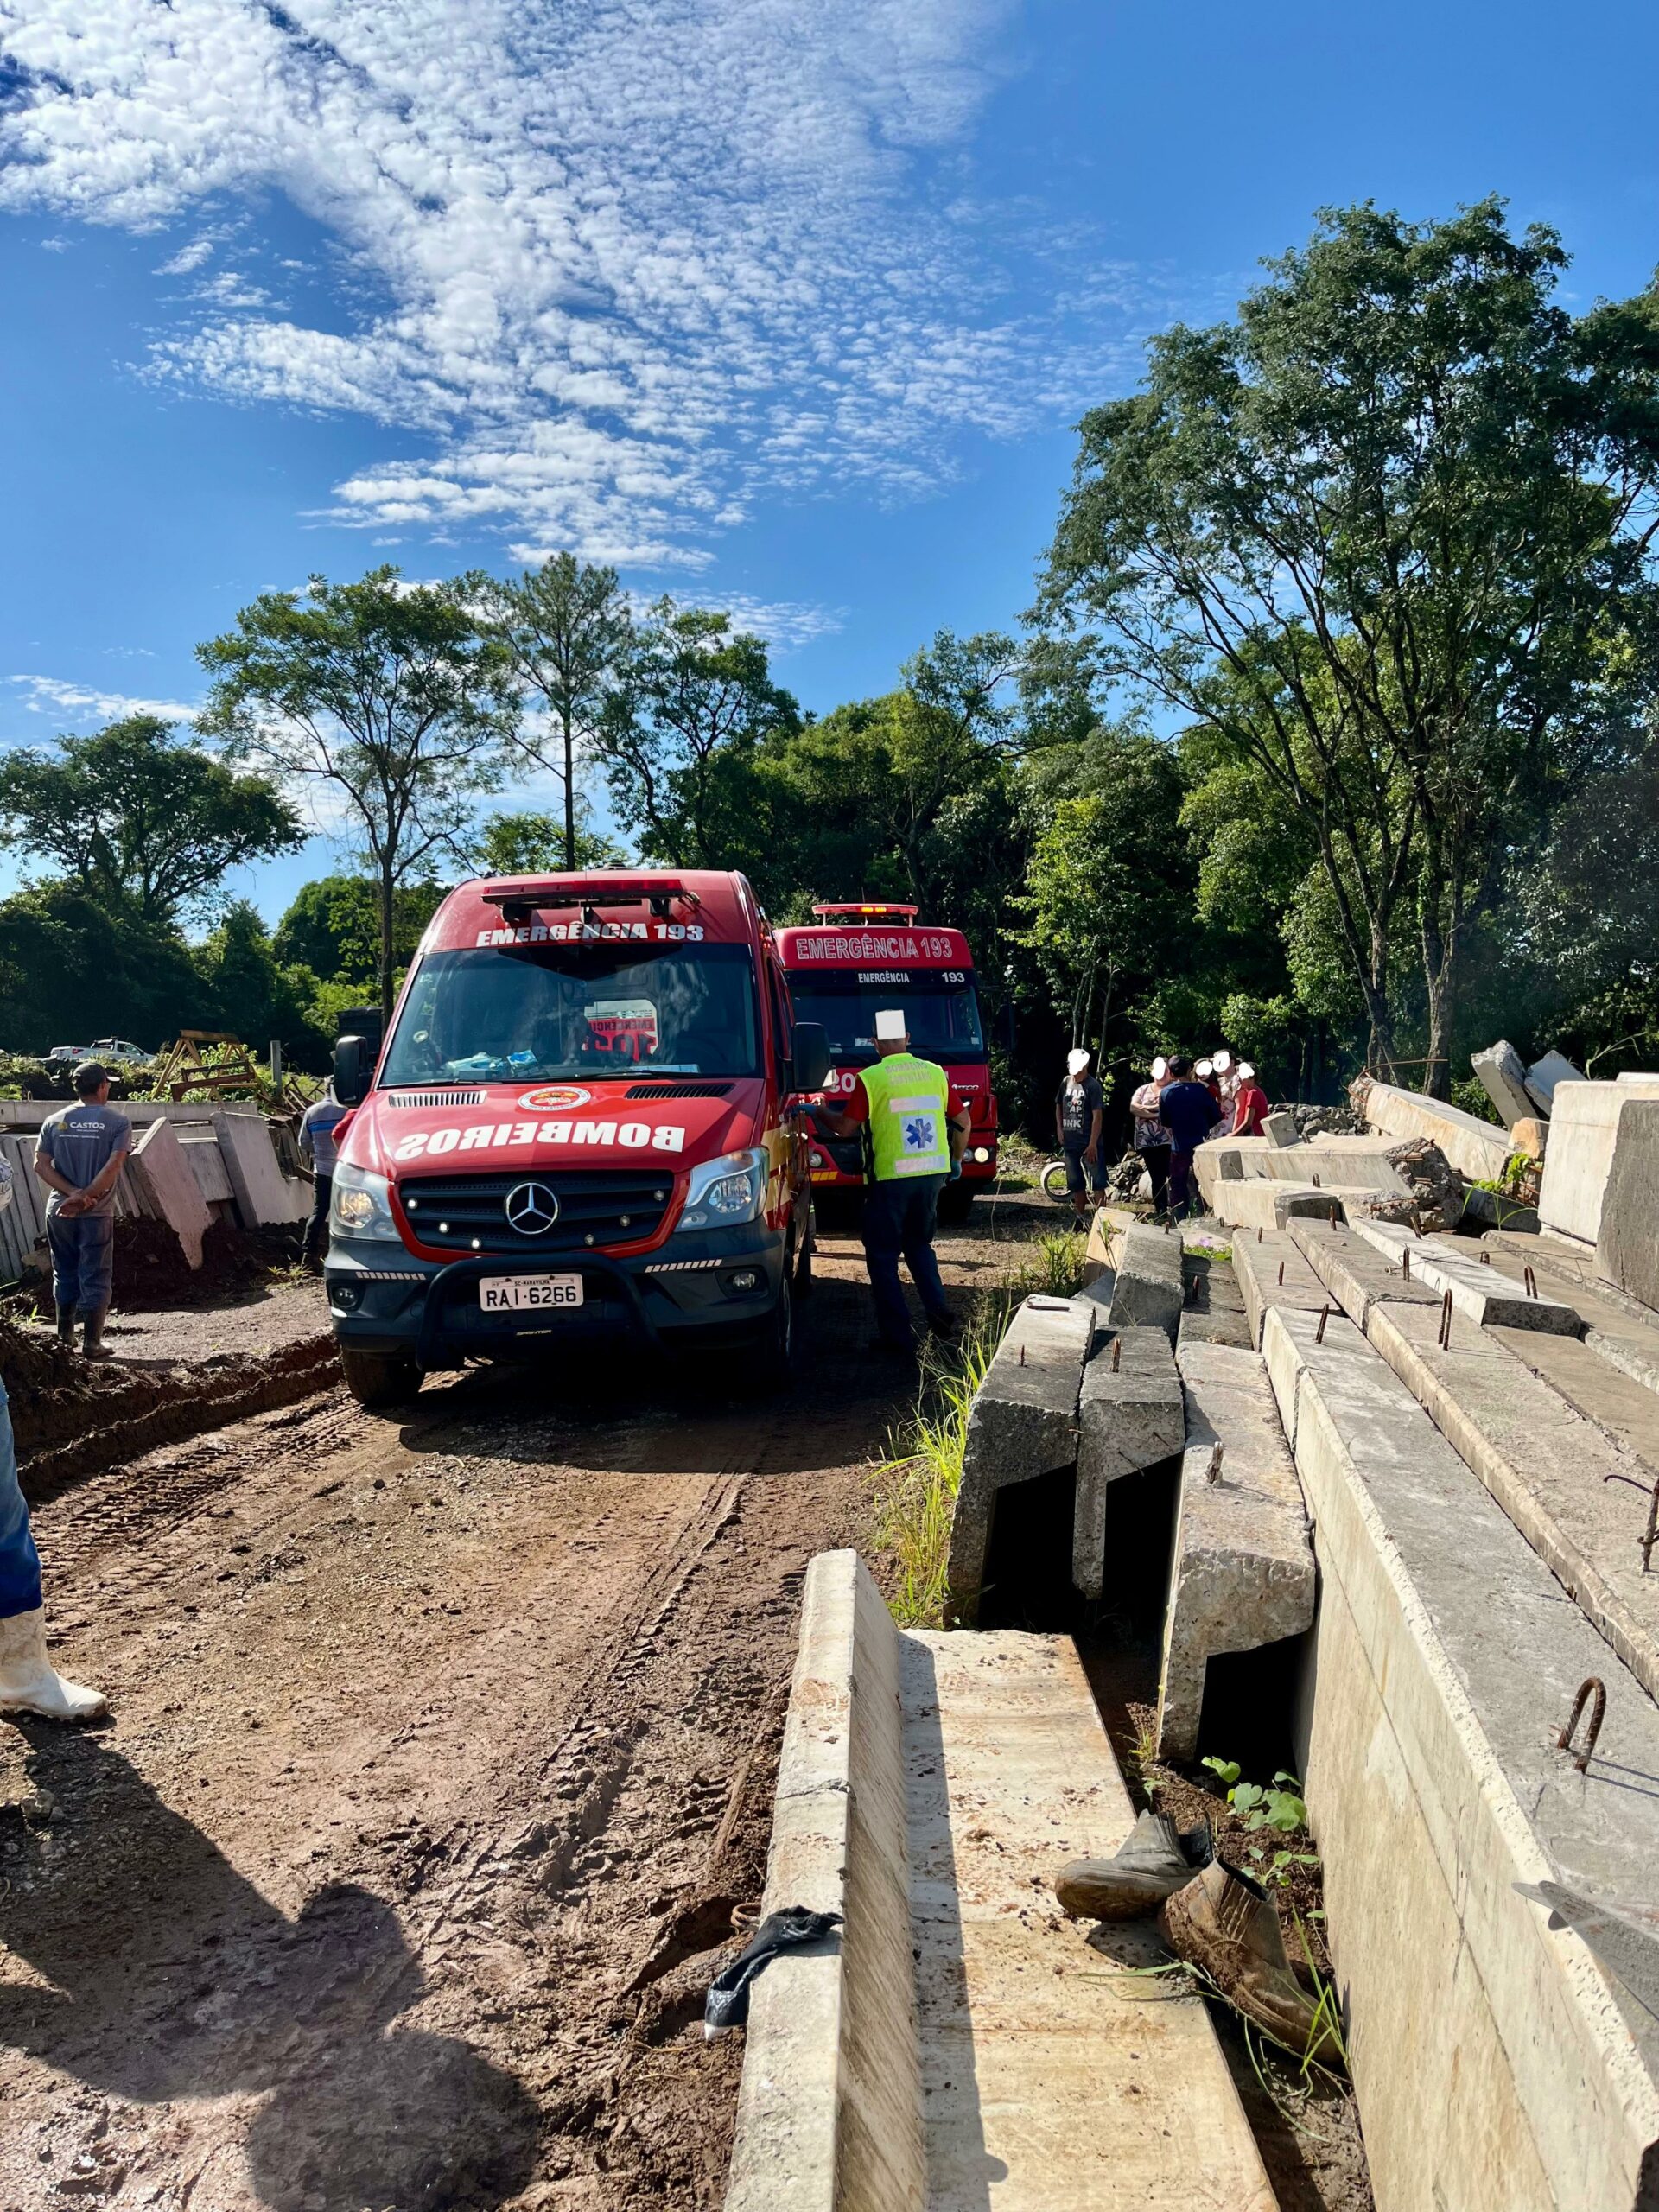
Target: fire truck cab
<point x="579" y="1128"/>
<point x="859" y="957"/>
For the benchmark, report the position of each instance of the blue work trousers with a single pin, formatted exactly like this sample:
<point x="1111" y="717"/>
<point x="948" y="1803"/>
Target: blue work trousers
<point x="900" y="1217"/>
<point x="83" y="1260"/>
<point x="20" y="1565"/>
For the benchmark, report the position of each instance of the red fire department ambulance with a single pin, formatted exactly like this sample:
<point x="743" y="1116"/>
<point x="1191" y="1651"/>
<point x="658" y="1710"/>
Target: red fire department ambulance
<point x="860" y="959"/>
<point x="578" y="1129"/>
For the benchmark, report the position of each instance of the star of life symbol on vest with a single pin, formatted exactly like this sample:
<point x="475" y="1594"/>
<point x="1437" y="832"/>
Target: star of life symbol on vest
<point x="918" y="1134"/>
<point x="531" y="1208"/>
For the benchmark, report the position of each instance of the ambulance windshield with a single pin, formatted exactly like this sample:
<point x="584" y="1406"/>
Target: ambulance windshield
<point x="515" y="1013"/>
<point x="940" y="1006"/>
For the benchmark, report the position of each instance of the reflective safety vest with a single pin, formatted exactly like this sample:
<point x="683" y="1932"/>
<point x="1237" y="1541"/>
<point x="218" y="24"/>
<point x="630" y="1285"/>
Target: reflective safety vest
<point x="909" y="1106"/>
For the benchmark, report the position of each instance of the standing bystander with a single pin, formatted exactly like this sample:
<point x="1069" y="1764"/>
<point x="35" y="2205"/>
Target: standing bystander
<point x="1078" y="1105"/>
<point x="1152" y="1138"/>
<point x="1250" y="1107"/>
<point x="318" y="1150"/>
<point x="1189" y="1113"/>
<point x="78" y="1155"/>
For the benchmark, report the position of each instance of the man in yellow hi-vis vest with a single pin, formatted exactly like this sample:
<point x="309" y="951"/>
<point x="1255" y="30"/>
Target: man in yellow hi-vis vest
<point x="903" y="1104"/>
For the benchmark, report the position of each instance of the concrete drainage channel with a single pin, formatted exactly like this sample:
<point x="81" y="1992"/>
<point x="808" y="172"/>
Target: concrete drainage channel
<point x="1405" y="1474"/>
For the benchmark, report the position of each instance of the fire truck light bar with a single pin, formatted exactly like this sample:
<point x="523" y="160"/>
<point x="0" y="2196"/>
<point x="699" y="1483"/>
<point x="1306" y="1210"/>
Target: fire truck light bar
<point x="624" y="891"/>
<point x="885" y="913"/>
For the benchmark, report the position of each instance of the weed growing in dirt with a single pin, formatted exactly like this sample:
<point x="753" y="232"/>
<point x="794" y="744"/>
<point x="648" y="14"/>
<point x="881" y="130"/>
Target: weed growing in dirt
<point x="1051" y="1268"/>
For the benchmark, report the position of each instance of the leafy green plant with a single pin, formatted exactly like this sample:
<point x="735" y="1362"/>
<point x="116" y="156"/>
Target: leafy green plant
<point x="916" y="1486"/>
<point x="1277" y="1805"/>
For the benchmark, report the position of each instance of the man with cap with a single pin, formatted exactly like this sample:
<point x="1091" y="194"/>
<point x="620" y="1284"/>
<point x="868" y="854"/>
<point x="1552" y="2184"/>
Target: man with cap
<point x="1078" y="1104"/>
<point x="28" y="1682"/>
<point x="903" y="1106"/>
<point x="78" y="1155"/>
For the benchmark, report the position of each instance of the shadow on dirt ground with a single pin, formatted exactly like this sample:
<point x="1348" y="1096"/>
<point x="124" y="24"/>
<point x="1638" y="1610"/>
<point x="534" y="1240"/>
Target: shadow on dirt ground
<point x="208" y="1989"/>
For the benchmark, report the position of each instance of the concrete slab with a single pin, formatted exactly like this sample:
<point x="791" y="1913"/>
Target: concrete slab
<point x="1477" y="1149"/>
<point x="207" y="1164"/>
<point x="260" y="1188"/>
<point x="1214" y="1311"/>
<point x="1350" y="1163"/>
<point x="1498" y="2069"/>
<point x="1579" y="1499"/>
<point x="1502" y="1074"/>
<point x="1484" y="1294"/>
<point x="1544" y="1079"/>
<point x="1226" y="1159"/>
<point x="1627" y="1241"/>
<point x="1272" y="1272"/>
<point x="1261" y="1202"/>
<point x="829" y="2112"/>
<point x="1024" y="1423"/>
<point x="1618" y="1328"/>
<point x="1150" y="1291"/>
<point x="162" y="1173"/>
<point x="1242" y="1574"/>
<point x="1050" y="2082"/>
<point x="1279" y="1128"/>
<point x="1354" y="1271"/>
<point x="1583" y="1137"/>
<point x="1129" y="1416"/>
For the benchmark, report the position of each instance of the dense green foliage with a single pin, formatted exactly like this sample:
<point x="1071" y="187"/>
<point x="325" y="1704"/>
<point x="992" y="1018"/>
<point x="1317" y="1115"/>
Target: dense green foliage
<point x="1332" y="735"/>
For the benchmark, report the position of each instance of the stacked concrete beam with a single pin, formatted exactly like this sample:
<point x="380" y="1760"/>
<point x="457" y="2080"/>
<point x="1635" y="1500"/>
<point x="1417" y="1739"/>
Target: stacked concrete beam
<point x="1444" y="1663"/>
<point x="264" y="1196"/>
<point x="961" y="2029"/>
<point x="1129" y="1417"/>
<point x="830" y="2111"/>
<point x="1502" y="1074"/>
<point x="1584" y="1134"/>
<point x="1474" y="1148"/>
<point x="1149" y="1290"/>
<point x="1263" y="1202"/>
<point x="1485" y="1294"/>
<point x="1272" y="1272"/>
<point x="1242" y="1573"/>
<point x="1024" y="1424"/>
<point x="1627" y="1239"/>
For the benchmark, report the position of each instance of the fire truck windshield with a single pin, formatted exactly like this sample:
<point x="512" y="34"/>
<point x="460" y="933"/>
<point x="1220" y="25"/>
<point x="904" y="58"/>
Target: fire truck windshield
<point x="941" y="1009"/>
<point x="517" y="1013"/>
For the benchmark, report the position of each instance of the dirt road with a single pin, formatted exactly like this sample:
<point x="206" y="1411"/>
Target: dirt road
<point x="441" y="1752"/>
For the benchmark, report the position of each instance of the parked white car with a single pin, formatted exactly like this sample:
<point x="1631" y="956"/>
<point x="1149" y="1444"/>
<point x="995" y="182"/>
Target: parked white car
<point x="121" y="1052"/>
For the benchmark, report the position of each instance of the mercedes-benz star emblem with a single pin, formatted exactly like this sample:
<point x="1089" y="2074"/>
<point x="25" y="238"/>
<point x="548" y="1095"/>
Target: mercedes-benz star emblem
<point x="531" y="1208"/>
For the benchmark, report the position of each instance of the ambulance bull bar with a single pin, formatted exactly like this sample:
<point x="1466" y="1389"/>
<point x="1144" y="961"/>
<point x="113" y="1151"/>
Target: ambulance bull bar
<point x="463" y="1274"/>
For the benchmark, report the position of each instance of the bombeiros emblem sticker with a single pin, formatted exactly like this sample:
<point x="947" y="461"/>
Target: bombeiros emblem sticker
<point x="554" y="1098"/>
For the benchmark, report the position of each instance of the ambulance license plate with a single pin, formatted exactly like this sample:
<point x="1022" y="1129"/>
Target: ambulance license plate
<point x="531" y="1293"/>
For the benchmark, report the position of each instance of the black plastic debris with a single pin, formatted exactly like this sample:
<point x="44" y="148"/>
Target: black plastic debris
<point x="727" y="2003"/>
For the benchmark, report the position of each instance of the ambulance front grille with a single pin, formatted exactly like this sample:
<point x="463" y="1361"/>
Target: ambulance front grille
<point x="596" y="1207"/>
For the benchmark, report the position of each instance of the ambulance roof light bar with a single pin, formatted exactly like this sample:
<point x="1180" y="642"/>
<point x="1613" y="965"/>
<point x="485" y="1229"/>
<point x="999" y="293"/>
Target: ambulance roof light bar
<point x="868" y="912"/>
<point x="657" y="891"/>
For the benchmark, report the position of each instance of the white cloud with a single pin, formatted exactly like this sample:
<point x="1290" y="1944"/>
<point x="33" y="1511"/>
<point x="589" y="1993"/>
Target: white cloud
<point x="628" y="264"/>
<point x="79" y="704"/>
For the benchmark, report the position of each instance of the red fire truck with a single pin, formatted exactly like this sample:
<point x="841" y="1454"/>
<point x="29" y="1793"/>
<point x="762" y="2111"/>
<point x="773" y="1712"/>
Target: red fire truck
<point x="859" y="957"/>
<point x="580" y="1126"/>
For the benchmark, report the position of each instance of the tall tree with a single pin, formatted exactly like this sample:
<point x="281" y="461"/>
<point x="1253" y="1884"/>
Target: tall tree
<point x="568" y="629"/>
<point x="138" y="817"/>
<point x="1389" y="534"/>
<point x="385" y="701"/>
<point x="681" y="732"/>
<point x="536" y="844"/>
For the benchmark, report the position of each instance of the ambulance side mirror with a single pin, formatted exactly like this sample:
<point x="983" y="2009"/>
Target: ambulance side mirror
<point x="812" y="1056"/>
<point x="353" y="1068"/>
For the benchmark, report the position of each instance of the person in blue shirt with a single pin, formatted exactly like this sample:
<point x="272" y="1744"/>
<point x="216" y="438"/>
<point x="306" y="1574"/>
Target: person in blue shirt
<point x="78" y="1155"/>
<point x="318" y="1150"/>
<point x="1189" y="1111"/>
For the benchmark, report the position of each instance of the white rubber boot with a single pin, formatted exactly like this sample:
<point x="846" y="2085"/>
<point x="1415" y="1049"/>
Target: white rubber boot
<point x="29" y="1681"/>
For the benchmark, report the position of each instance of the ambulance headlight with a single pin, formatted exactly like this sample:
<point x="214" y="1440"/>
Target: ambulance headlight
<point x="980" y="1154"/>
<point x="360" y="1206"/>
<point x="726" y="1190"/>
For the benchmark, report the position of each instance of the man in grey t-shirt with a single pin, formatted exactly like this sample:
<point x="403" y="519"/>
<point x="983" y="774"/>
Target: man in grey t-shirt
<point x="78" y="1155"/>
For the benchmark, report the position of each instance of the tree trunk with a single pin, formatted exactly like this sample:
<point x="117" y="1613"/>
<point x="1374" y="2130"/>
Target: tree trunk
<point x="1440" y="948"/>
<point x="388" y="963"/>
<point x="570" y="795"/>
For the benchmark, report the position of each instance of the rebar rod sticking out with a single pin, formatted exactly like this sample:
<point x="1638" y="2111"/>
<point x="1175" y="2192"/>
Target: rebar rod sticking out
<point x="1445" y="1322"/>
<point x="1117" y="1352"/>
<point x="1319" y="1333"/>
<point x="1594" y="1686"/>
<point x="1212" y="1473"/>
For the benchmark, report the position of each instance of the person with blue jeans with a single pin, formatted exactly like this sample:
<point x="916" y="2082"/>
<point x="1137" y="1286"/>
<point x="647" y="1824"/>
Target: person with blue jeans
<point x="903" y="1106"/>
<point x="319" y="1153"/>
<point x="78" y="1155"/>
<point x="28" y="1682"/>
<point x="1189" y="1111"/>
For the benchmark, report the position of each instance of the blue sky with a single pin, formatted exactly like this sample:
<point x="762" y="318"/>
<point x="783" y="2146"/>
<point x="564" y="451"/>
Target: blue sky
<point x="786" y="305"/>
